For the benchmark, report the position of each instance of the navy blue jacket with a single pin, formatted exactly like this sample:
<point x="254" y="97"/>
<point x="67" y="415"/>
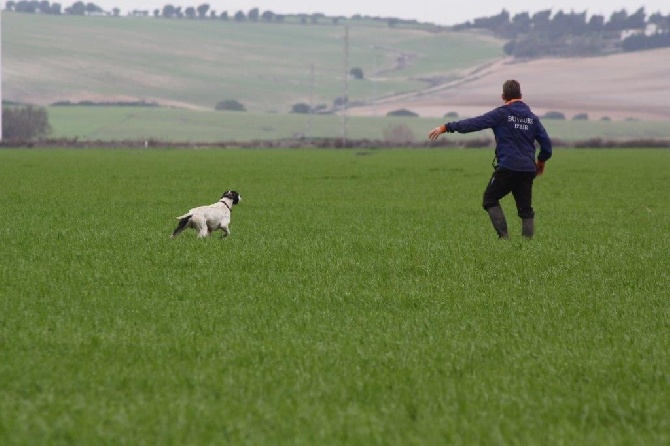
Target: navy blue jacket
<point x="516" y="128"/>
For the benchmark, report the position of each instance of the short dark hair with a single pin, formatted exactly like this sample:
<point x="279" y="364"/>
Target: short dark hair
<point x="512" y="90"/>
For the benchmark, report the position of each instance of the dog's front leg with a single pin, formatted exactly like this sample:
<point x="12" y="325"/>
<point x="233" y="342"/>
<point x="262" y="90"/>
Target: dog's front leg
<point x="226" y="231"/>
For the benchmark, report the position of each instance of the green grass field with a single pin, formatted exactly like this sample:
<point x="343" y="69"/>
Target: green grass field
<point x="362" y="298"/>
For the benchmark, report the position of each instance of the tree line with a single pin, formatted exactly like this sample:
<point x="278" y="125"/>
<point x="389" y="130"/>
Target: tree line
<point x="571" y="34"/>
<point x="45" y="7"/>
<point x="202" y="11"/>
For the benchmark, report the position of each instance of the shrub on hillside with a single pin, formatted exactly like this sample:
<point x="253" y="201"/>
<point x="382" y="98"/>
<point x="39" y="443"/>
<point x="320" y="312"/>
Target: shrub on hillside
<point x="340" y="101"/>
<point x="230" y="105"/>
<point x="554" y="115"/>
<point x="356" y="73"/>
<point x="581" y="117"/>
<point x="402" y="112"/>
<point x="301" y="108"/>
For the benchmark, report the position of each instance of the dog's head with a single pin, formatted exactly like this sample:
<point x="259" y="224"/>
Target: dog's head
<point x="232" y="195"/>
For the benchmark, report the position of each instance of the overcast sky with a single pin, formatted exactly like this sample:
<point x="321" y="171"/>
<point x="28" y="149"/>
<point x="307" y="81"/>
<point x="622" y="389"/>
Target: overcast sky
<point x="443" y="13"/>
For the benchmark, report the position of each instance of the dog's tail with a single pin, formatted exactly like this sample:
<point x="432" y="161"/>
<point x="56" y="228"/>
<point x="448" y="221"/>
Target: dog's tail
<point x="184" y="220"/>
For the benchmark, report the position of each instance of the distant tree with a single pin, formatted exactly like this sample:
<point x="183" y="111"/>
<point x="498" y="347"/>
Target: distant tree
<point x="92" y="8"/>
<point x="637" y="20"/>
<point x="659" y="20"/>
<point x="212" y="14"/>
<point x="28" y="122"/>
<point x="44" y="7"/>
<point x="56" y="9"/>
<point x="596" y="23"/>
<point x="493" y="23"/>
<point x="340" y="101"/>
<point x="26" y="6"/>
<point x="189" y="12"/>
<point x="572" y="24"/>
<point x="202" y="10"/>
<point x="157" y="12"/>
<point x="639" y="42"/>
<point x="356" y="73"/>
<point x="303" y="19"/>
<point x="168" y="11"/>
<point x="116" y="12"/>
<point x="618" y="21"/>
<point x="178" y="12"/>
<point x="268" y="16"/>
<point x="253" y="15"/>
<point x="224" y="15"/>
<point x="78" y="8"/>
<point x="521" y="23"/>
<point x="240" y="17"/>
<point x="581" y="117"/>
<point x="10" y="6"/>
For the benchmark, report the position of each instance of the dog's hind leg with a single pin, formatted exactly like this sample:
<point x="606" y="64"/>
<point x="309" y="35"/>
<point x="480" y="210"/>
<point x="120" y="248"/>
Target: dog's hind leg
<point x="200" y="225"/>
<point x="183" y="224"/>
<point x="226" y="231"/>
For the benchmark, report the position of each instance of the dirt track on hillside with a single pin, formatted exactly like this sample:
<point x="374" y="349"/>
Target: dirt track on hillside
<point x="622" y="86"/>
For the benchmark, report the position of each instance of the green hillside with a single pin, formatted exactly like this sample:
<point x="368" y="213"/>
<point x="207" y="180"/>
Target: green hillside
<point x="197" y="63"/>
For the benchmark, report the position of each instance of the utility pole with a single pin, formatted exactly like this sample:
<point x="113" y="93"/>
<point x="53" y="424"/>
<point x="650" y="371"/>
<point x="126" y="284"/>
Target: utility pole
<point x="311" y="101"/>
<point x="345" y="100"/>
<point x="374" y="87"/>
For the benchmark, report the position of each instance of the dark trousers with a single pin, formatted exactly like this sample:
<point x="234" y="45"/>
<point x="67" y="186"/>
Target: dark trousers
<point x="520" y="184"/>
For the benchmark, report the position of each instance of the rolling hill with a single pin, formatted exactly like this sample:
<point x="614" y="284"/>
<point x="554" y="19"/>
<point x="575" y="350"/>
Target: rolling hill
<point x="188" y="66"/>
<point x="621" y="86"/>
<point x="197" y="63"/>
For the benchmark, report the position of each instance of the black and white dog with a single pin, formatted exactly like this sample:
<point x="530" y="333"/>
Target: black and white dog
<point x="207" y="219"/>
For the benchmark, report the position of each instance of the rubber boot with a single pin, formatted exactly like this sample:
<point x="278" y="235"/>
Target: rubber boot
<point x="528" y="227"/>
<point x="498" y="220"/>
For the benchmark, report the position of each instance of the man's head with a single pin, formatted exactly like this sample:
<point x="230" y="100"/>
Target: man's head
<point x="511" y="90"/>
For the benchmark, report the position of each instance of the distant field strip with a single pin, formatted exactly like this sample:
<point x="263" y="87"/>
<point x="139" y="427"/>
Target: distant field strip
<point x="165" y="124"/>
<point x="362" y="298"/>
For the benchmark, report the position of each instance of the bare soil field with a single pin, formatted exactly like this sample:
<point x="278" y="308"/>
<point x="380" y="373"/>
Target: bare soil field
<point x="621" y="86"/>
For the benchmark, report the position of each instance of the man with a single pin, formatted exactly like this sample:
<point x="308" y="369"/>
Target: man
<point x="516" y="129"/>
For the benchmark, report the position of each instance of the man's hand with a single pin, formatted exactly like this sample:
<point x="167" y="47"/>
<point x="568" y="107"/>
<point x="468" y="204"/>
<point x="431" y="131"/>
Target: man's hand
<point x="539" y="165"/>
<point x="436" y="132"/>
